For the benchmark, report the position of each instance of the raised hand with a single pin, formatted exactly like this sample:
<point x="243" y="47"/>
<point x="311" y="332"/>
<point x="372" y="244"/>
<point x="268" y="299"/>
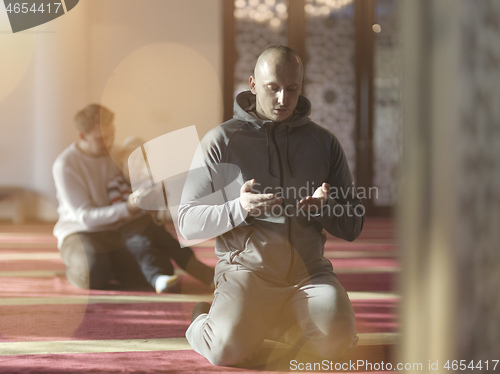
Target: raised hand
<point x="315" y="202"/>
<point x="256" y="204"/>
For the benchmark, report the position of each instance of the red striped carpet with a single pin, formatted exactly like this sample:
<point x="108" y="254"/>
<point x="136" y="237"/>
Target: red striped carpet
<point x="47" y="326"/>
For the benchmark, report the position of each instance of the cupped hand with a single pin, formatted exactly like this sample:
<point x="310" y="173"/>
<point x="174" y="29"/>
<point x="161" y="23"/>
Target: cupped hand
<point x="256" y="204"/>
<point x="315" y="202"/>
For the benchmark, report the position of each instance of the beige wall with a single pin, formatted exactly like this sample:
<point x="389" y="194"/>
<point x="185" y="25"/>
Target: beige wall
<point x="158" y="64"/>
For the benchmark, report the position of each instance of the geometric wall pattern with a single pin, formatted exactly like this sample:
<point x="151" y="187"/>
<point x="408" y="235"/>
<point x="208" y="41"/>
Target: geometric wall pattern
<point x="387" y="124"/>
<point x="258" y="24"/>
<point x="330" y="72"/>
<point x="330" y="79"/>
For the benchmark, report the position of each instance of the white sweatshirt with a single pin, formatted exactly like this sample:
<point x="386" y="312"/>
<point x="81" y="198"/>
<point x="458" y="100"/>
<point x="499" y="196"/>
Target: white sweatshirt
<point x="83" y="186"/>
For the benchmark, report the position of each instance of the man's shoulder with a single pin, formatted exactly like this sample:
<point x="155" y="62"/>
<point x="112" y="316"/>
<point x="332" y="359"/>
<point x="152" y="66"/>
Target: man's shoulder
<point x="322" y="137"/>
<point x="68" y="155"/>
<point x="319" y="131"/>
<point x="229" y="127"/>
<point x="72" y="158"/>
<point x="223" y="132"/>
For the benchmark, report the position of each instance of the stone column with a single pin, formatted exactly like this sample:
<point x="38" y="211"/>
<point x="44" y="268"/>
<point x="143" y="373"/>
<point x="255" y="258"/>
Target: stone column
<point x="450" y="206"/>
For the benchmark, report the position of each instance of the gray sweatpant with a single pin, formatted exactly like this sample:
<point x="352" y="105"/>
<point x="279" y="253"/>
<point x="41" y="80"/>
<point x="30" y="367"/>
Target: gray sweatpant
<point x="314" y="315"/>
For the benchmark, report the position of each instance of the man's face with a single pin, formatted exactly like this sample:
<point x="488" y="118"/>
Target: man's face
<point x="277" y="86"/>
<point x="99" y="140"/>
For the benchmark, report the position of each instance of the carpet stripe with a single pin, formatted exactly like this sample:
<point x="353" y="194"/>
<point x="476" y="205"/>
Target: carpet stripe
<point x="31" y="274"/>
<point x="205" y="244"/>
<point x="166" y="298"/>
<point x="357" y="295"/>
<point x="90" y="346"/>
<point x="331" y="254"/>
<point x="367" y="270"/>
<point x="115" y="299"/>
<point x="140" y="345"/>
<point x="379" y="338"/>
<point x="27" y="245"/>
<point x="360" y="254"/>
<point x="26" y="236"/>
<point x="48" y="273"/>
<point x="30" y="256"/>
<point x="335" y="241"/>
<point x="328" y="254"/>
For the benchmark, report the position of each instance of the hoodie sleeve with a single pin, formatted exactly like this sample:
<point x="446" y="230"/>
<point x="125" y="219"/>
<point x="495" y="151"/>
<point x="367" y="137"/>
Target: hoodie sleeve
<point x="210" y="203"/>
<point x="344" y="214"/>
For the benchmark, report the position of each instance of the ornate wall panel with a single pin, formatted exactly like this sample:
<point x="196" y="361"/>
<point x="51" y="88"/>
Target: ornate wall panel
<point x="258" y="24"/>
<point x="330" y="73"/>
<point x="330" y="82"/>
<point x="387" y="126"/>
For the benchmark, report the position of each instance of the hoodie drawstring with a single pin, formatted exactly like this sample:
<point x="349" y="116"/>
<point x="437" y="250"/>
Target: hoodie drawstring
<point x="288" y="153"/>
<point x="269" y="153"/>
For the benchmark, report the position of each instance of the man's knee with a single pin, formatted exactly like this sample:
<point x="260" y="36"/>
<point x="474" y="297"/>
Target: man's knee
<point x="339" y="340"/>
<point x="87" y="278"/>
<point x="88" y="272"/>
<point x="334" y="347"/>
<point x="223" y="355"/>
<point x="228" y="353"/>
<point x="221" y="348"/>
<point x="87" y="266"/>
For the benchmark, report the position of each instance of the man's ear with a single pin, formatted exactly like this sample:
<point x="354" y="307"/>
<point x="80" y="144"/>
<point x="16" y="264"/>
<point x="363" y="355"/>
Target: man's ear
<point x="252" y="84"/>
<point x="81" y="136"/>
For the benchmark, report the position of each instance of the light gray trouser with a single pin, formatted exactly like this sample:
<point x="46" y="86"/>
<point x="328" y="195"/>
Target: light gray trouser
<point x="314" y="316"/>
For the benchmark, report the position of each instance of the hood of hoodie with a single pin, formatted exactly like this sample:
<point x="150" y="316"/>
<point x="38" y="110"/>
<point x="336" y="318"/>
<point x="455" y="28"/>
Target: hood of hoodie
<point x="245" y="103"/>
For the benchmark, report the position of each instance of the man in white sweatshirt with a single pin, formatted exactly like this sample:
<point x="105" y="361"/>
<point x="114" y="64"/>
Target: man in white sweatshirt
<point x="102" y="234"/>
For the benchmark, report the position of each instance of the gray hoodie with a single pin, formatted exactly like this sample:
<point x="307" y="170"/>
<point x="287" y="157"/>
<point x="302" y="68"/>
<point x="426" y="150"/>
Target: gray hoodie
<point x="291" y="158"/>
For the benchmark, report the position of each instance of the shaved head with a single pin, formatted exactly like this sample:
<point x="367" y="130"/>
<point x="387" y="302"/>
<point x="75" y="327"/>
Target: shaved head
<point x="277" y="83"/>
<point x="278" y="55"/>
